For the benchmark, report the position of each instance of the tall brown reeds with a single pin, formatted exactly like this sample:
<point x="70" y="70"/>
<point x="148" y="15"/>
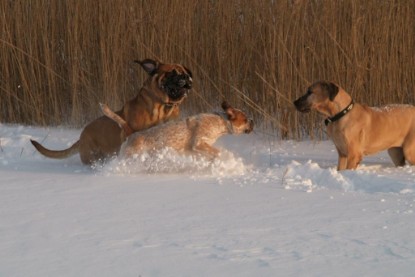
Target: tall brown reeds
<point x="58" y="59"/>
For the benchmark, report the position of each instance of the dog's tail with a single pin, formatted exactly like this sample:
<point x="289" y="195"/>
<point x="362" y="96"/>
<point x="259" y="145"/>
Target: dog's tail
<point x="118" y="119"/>
<point x="56" y="154"/>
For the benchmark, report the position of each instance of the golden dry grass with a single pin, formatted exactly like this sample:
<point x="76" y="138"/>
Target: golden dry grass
<point x="58" y="59"/>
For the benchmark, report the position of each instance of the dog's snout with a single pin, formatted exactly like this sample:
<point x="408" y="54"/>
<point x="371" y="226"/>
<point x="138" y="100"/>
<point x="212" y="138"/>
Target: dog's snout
<point x="182" y="83"/>
<point x="188" y="82"/>
<point x="301" y="104"/>
<point x="297" y="103"/>
<point x="250" y="126"/>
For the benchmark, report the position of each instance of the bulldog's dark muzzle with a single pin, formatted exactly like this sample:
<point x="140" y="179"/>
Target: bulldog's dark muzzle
<point x="177" y="85"/>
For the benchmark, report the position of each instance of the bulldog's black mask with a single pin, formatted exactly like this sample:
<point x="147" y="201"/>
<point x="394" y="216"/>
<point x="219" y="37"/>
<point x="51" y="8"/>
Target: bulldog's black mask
<point x="176" y="85"/>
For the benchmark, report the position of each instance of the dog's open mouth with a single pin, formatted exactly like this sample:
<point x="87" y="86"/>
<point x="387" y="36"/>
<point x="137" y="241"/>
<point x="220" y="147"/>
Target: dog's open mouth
<point x="176" y="93"/>
<point x="177" y="85"/>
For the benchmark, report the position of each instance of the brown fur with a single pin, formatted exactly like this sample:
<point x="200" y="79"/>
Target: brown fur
<point x="363" y="130"/>
<point x="195" y="134"/>
<point x="156" y="102"/>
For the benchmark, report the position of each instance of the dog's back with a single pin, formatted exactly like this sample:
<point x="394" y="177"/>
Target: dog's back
<point x="179" y="135"/>
<point x="194" y="134"/>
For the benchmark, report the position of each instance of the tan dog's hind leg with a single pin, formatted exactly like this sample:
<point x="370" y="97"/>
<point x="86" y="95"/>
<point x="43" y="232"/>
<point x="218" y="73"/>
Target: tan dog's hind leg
<point x="396" y="154"/>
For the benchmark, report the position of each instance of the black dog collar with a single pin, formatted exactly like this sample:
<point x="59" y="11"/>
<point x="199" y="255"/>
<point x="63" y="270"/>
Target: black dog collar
<point x="339" y="115"/>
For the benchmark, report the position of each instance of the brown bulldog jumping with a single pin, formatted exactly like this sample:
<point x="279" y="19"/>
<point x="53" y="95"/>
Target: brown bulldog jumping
<point x="358" y="130"/>
<point x="156" y="102"/>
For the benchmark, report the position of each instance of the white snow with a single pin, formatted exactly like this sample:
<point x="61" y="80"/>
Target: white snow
<point x="265" y="208"/>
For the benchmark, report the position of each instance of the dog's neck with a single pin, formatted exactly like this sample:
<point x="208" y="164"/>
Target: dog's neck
<point x="168" y="104"/>
<point x="339" y="107"/>
<point x="338" y="104"/>
<point x="227" y="123"/>
<point x="340" y="114"/>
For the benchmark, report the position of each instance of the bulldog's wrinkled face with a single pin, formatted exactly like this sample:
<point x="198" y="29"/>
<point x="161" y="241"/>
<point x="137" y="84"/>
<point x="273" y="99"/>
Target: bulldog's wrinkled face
<point x="177" y="83"/>
<point x="317" y="95"/>
<point x="238" y="119"/>
<point x="175" y="80"/>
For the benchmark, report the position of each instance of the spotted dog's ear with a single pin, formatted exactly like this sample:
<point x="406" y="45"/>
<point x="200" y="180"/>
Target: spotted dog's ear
<point x="332" y="89"/>
<point x="149" y="65"/>
<point x="228" y="110"/>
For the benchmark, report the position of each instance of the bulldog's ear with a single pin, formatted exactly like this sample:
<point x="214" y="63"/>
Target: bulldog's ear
<point x="225" y="105"/>
<point x="149" y="65"/>
<point x="333" y="89"/>
<point x="188" y="71"/>
<point x="228" y="110"/>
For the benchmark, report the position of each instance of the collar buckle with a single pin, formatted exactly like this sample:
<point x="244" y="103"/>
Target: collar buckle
<point x="339" y="115"/>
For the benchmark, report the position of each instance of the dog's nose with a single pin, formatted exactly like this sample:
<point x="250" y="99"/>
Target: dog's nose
<point x="250" y="127"/>
<point x="182" y="83"/>
<point x="188" y="82"/>
<point x="299" y="103"/>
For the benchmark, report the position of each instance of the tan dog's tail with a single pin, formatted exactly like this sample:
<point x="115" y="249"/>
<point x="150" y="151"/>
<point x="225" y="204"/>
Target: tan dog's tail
<point x="56" y="154"/>
<point x="118" y="119"/>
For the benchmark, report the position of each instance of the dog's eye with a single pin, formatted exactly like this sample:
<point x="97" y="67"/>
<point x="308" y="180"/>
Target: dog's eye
<point x="309" y="92"/>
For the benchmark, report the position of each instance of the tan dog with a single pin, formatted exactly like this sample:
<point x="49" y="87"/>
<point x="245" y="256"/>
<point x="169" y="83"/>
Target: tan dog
<point x="157" y="101"/>
<point x="358" y="130"/>
<point x="195" y="134"/>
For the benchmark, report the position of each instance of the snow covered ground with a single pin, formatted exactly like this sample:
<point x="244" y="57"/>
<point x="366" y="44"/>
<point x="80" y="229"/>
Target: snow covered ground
<point x="265" y="208"/>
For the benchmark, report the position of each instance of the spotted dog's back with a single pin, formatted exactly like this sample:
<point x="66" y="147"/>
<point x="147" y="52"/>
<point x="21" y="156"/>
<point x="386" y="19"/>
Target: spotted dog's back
<point x="194" y="134"/>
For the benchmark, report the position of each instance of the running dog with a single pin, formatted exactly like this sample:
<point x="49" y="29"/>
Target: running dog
<point x="195" y="134"/>
<point x="156" y="102"/>
<point x="358" y="130"/>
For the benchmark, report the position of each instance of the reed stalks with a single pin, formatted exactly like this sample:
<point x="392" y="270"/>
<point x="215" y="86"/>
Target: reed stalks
<point x="59" y="59"/>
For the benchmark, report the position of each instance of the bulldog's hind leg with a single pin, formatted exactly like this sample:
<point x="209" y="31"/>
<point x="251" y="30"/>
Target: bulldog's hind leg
<point x="397" y="156"/>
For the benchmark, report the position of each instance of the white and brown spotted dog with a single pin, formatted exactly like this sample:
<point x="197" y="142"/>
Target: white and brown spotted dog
<point x="195" y="134"/>
<point x="358" y="130"/>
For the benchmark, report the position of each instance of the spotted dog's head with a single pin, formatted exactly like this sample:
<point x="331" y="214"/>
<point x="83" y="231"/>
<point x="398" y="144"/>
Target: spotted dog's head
<point x="171" y="81"/>
<point x="317" y="97"/>
<point x="238" y="120"/>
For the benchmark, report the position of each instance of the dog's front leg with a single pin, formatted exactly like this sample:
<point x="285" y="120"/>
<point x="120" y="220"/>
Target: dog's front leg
<point x="353" y="160"/>
<point x="342" y="162"/>
<point x="350" y="158"/>
<point x="206" y="150"/>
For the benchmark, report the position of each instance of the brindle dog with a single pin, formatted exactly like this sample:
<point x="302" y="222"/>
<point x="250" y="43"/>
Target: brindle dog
<point x="358" y="130"/>
<point x="156" y="102"/>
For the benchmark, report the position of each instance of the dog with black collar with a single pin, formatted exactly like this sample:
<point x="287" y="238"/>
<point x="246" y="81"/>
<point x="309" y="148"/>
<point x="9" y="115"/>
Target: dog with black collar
<point x="358" y="130"/>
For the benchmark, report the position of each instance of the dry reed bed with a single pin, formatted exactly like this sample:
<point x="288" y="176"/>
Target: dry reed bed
<point x="58" y="59"/>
